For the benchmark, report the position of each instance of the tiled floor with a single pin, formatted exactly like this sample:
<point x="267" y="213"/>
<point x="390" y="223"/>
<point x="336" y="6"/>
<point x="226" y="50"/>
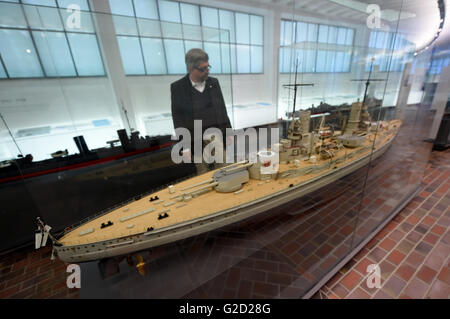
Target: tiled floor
<point x="277" y="256"/>
<point x="412" y="251"/>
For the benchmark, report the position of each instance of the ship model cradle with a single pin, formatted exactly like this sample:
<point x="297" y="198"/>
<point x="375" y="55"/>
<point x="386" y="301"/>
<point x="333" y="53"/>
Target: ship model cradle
<point x="298" y="165"/>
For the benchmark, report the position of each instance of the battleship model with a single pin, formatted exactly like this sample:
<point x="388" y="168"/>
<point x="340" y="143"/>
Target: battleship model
<point x="300" y="164"/>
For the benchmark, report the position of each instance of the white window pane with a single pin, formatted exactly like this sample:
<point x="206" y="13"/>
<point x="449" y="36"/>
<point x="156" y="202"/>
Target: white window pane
<point x="169" y="11"/>
<point x="310" y="64"/>
<point x="288" y="63"/>
<point x="192" y="32"/>
<point x="285" y="58"/>
<point x="349" y="39"/>
<point x="227" y="22"/>
<point x="301" y="32"/>
<point x="233" y="58"/>
<point x="2" y="72"/>
<point x="43" y="18"/>
<point x="256" y="29"/>
<point x="175" y="56"/>
<point x="312" y="32"/>
<point x="342" y="34"/>
<point x="121" y="7"/>
<point x="210" y="17"/>
<point x="331" y="59"/>
<point x="188" y="45"/>
<point x="256" y="59"/>
<point x="321" y="61"/>
<point x="18" y="54"/>
<point x="226" y="58"/>
<point x="125" y="25"/>
<point x="48" y="3"/>
<point x="81" y="3"/>
<point x="346" y="63"/>
<point x="282" y="36"/>
<point x="130" y="51"/>
<point x="11" y="15"/>
<point x="289" y="33"/>
<point x="224" y="36"/>
<point x="146" y="9"/>
<point x="211" y="34"/>
<point x="323" y="33"/>
<point x="189" y="14"/>
<point x="243" y="58"/>
<point x="55" y="54"/>
<point x="213" y="50"/>
<point x="338" y="67"/>
<point x="372" y="39"/>
<point x="171" y="30"/>
<point x="332" y="34"/>
<point x="298" y="60"/>
<point x="210" y="23"/>
<point x="154" y="56"/>
<point x="380" y="40"/>
<point x="86" y="54"/>
<point x="243" y="27"/>
<point x="149" y="28"/>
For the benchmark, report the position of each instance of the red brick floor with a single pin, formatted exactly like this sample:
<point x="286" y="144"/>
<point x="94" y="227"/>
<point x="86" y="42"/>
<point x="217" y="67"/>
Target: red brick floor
<point x="412" y="251"/>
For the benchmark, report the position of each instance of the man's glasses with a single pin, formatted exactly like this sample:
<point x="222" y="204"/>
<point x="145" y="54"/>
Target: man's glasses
<point x="204" y="69"/>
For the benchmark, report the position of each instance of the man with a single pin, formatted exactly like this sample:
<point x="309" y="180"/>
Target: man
<point x="198" y="97"/>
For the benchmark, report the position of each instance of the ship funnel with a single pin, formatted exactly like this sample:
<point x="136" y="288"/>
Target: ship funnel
<point x="81" y="144"/>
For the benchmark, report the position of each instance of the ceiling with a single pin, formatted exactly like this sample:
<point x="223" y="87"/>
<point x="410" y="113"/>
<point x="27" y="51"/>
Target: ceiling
<point x="419" y="19"/>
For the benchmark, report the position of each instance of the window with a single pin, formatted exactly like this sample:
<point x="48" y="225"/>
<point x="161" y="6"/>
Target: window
<point x="389" y="49"/>
<point x="169" y="29"/>
<point x="315" y="60"/>
<point x="37" y="42"/>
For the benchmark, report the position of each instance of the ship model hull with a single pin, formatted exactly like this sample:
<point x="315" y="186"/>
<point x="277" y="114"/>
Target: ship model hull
<point x="84" y="243"/>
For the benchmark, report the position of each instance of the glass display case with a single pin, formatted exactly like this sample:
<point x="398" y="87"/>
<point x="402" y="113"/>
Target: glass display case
<point x="86" y="138"/>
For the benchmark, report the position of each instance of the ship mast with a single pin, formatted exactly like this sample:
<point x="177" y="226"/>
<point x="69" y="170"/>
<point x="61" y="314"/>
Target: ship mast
<point x="368" y="80"/>
<point x="295" y="86"/>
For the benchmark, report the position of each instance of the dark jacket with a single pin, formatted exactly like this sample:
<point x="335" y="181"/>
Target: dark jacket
<point x="182" y="108"/>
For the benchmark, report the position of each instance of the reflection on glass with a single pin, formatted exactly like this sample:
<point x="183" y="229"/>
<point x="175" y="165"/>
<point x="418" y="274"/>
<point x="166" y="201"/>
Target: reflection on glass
<point x="54" y="53"/>
<point x="243" y="25"/>
<point x="130" y="51"/>
<point x="18" y="54"/>
<point x="169" y="11"/>
<point x="213" y="50"/>
<point x="175" y="56"/>
<point x="189" y="14"/>
<point x="256" y="59"/>
<point x="83" y="4"/>
<point x="86" y="54"/>
<point x="121" y="7"/>
<point x="43" y="18"/>
<point x="146" y="9"/>
<point x="154" y="56"/>
<point x="192" y="45"/>
<point x="243" y="58"/>
<point x="11" y="15"/>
